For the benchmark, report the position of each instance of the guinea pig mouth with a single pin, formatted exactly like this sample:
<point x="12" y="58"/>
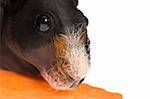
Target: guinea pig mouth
<point x="72" y="62"/>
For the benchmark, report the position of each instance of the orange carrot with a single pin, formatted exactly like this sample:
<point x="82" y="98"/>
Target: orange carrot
<point x="17" y="86"/>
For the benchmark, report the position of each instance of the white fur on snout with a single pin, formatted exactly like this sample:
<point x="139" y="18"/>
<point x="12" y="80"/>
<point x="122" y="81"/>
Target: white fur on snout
<point x="78" y="63"/>
<point x="74" y="52"/>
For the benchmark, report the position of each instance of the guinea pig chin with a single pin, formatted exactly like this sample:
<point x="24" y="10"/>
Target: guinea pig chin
<point x="72" y="62"/>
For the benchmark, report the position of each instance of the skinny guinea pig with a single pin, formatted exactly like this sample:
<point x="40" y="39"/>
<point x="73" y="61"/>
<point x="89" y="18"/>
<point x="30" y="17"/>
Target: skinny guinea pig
<point x="47" y="38"/>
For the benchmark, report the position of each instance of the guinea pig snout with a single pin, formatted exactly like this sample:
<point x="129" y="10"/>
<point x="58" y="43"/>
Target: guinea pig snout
<point x="71" y="61"/>
<point x="71" y="54"/>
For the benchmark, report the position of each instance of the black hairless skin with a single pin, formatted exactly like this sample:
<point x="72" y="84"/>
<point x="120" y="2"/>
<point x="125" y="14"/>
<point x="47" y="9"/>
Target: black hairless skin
<point x="46" y="37"/>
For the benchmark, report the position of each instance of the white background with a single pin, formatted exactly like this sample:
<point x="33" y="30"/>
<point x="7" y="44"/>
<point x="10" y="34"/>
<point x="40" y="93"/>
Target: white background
<point x="119" y="31"/>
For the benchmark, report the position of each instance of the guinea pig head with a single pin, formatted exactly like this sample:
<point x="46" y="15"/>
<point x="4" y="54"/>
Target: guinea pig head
<point x="52" y="36"/>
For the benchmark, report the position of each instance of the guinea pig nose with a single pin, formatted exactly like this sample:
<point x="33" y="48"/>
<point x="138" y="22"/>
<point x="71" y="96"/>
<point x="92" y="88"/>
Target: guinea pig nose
<point x="75" y="84"/>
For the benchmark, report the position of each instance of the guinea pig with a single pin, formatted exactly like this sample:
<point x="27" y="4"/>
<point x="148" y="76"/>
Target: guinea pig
<point x="47" y="38"/>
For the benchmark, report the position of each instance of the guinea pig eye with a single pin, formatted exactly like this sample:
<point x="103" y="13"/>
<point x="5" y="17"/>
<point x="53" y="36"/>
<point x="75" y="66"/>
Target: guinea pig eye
<point x="43" y="23"/>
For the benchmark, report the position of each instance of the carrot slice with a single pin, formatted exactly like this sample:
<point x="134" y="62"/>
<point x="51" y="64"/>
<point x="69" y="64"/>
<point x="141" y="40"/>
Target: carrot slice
<point x="17" y="86"/>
